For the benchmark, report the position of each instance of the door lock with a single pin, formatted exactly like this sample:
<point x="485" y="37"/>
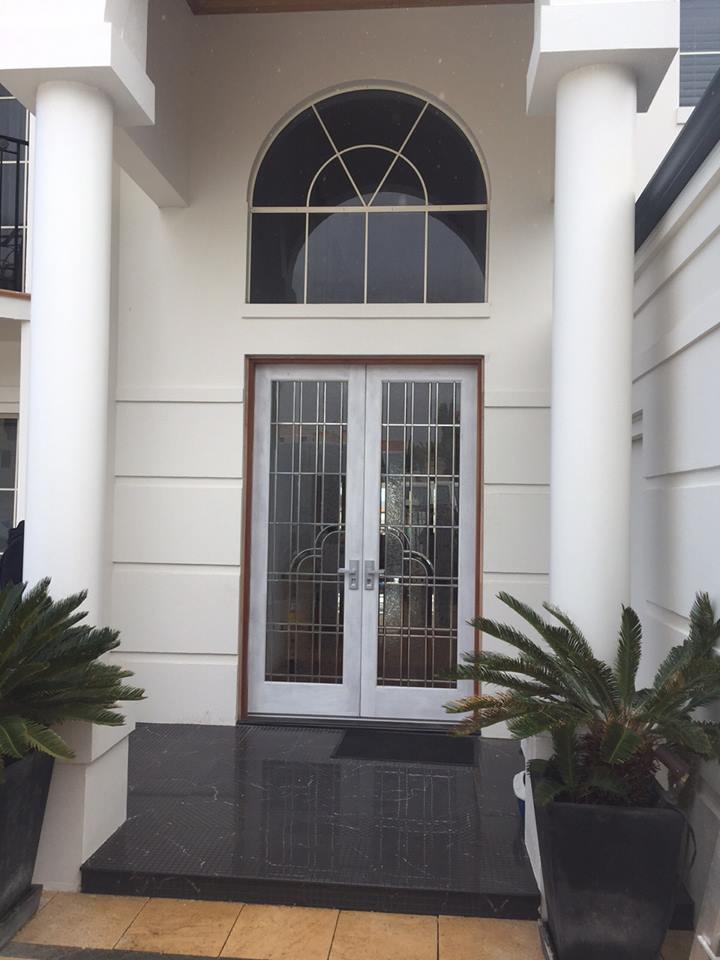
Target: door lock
<point x="370" y="574"/>
<point x="352" y="572"/>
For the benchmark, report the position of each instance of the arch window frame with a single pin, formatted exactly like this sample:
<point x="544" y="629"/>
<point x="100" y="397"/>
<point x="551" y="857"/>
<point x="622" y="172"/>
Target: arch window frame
<point x="366" y="209"/>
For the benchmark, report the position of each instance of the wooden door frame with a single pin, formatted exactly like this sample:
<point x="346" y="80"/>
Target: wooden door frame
<point x="252" y="362"/>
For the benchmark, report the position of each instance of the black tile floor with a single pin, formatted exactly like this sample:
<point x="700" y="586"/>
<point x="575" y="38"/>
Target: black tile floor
<point x="266" y="814"/>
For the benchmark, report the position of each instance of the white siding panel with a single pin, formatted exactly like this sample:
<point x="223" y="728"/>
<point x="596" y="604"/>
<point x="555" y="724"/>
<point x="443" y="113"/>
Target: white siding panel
<point x="517" y="531"/>
<point x="683" y="533"/>
<point x="193" y="523"/>
<point x="517" y="445"/>
<point x="677" y="398"/>
<point x="179" y="440"/>
<point x="177" y="609"/>
<point x="185" y="689"/>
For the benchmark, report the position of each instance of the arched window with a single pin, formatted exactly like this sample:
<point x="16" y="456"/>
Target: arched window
<point x="370" y="196"/>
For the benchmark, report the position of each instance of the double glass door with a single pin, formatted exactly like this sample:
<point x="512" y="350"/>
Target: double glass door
<point x="363" y="540"/>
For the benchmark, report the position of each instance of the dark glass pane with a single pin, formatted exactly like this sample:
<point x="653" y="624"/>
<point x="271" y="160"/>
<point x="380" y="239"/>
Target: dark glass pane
<point x="700" y="25"/>
<point x="306" y="538"/>
<point x="12" y="192"/>
<point x="368" y="166"/>
<point x="696" y="72"/>
<point x="8" y="446"/>
<point x="11" y="255"/>
<point x="446" y="160"/>
<point x="292" y="160"/>
<point x="396" y="254"/>
<point x="13" y="119"/>
<point x="419" y="536"/>
<point x="401" y="187"/>
<point x="333" y="188"/>
<point x="369" y="116"/>
<point x="456" y="257"/>
<point x="336" y="255"/>
<point x="7" y="507"/>
<point x="277" y="265"/>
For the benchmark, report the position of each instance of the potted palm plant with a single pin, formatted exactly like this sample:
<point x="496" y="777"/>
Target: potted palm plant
<point x="610" y="838"/>
<point x="50" y="672"/>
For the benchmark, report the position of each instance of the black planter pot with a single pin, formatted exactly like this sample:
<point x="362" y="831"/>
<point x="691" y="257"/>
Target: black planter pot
<point x="23" y="797"/>
<point x="610" y="876"/>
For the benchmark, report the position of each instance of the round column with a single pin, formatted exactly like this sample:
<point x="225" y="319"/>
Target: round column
<point x="68" y="394"/>
<point x="591" y="349"/>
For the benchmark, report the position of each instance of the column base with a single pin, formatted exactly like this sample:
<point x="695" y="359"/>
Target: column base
<point x="86" y="804"/>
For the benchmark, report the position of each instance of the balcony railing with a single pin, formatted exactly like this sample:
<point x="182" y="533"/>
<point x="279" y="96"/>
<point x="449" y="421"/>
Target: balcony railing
<point x="13" y="171"/>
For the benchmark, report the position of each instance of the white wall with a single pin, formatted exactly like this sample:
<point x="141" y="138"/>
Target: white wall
<point x="184" y="330"/>
<point x="677" y="452"/>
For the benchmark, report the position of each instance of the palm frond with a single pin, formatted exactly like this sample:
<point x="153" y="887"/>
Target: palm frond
<point x="51" y="671"/>
<point x="628" y="655"/>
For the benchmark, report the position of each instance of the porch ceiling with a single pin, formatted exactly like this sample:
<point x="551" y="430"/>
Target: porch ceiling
<point x="284" y="6"/>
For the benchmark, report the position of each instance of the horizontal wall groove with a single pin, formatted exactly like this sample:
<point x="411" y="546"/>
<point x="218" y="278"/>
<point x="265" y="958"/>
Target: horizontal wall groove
<point x="683" y="336"/>
<point x="516" y="486"/>
<point x="685" y="479"/>
<point x="224" y="395"/>
<point x="135" y="480"/>
<point x="524" y="577"/>
<point x="168" y="565"/>
<point x="147" y="656"/>
<point x="164" y="567"/>
<point x="671" y="618"/>
<point x="688" y="471"/>
<point x="229" y="479"/>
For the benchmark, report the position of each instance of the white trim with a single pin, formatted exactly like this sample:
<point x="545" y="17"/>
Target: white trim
<point x="359" y="694"/>
<point x="365" y="311"/>
<point x="386" y="208"/>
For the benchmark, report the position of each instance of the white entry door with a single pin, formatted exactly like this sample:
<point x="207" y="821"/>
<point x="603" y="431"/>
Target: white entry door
<point x="363" y="539"/>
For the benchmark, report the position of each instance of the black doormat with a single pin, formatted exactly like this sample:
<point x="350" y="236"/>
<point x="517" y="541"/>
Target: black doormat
<point x="406" y="747"/>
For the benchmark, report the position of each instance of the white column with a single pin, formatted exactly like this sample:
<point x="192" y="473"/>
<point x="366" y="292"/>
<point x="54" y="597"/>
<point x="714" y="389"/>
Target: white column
<point x="67" y="443"/>
<point x="592" y="339"/>
<point x="65" y="509"/>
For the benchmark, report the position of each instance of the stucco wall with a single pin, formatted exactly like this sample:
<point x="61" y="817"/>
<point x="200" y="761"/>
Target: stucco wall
<point x="676" y="481"/>
<point x="184" y="330"/>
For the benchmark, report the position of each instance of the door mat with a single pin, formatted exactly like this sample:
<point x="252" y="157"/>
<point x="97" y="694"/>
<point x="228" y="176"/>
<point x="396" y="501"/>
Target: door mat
<point x="406" y="747"/>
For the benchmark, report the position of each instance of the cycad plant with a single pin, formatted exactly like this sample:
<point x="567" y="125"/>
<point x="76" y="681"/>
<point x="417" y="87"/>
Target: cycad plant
<point x="608" y="735"/>
<point x="50" y="672"/>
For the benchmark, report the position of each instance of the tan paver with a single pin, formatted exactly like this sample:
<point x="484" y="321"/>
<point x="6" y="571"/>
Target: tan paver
<point x="281" y="933"/>
<point x="45" y="898"/>
<point x="384" y="936"/>
<point x="488" y="939"/>
<point x="678" y="945"/>
<point x="82" y="920"/>
<point x="194" y="927"/>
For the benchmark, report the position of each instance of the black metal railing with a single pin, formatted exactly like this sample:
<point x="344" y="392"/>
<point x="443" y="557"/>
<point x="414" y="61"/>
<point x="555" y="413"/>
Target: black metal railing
<point x="13" y="171"/>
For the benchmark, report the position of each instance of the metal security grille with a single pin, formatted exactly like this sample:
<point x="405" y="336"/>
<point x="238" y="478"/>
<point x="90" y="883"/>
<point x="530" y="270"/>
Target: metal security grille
<point x="699" y="48"/>
<point x="306" y="526"/>
<point x="419" y="532"/>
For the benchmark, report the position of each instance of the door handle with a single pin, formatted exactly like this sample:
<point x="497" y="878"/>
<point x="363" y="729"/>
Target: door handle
<point x="352" y="572"/>
<point x="370" y="574"/>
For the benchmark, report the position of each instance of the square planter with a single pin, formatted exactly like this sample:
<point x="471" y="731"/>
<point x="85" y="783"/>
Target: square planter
<point x="23" y="797"/>
<point x="611" y="875"/>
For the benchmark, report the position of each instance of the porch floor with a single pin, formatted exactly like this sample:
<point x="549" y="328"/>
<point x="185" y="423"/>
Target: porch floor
<point x="267" y="814"/>
<point x="85" y="927"/>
